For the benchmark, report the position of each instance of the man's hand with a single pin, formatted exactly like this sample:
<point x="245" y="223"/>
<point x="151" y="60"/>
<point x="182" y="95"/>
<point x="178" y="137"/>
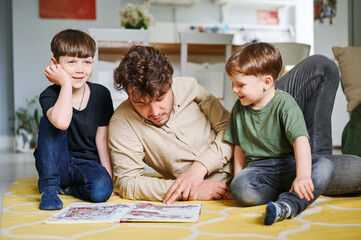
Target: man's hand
<point x="187" y="183"/>
<point x="210" y="189"/>
<point x="114" y="194"/>
<point x="303" y="187"/>
<point x="57" y="75"/>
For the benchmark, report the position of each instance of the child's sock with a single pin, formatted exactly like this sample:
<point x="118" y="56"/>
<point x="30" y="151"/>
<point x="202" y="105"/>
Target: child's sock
<point x="66" y="191"/>
<point x="276" y="212"/>
<point x="50" y="200"/>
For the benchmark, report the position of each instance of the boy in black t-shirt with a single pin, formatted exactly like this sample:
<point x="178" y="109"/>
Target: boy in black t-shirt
<point x="73" y="156"/>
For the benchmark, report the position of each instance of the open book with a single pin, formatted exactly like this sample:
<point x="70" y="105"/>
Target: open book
<point x="124" y="212"/>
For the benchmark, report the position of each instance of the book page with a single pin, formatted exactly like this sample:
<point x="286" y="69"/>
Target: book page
<point x="159" y="212"/>
<point x="119" y="212"/>
<point x="90" y="213"/>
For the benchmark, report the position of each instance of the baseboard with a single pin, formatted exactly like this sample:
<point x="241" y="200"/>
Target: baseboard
<point x="6" y="142"/>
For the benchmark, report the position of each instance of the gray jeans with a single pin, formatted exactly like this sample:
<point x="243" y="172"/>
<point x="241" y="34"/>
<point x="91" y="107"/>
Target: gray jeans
<point x="271" y="179"/>
<point x="313" y="83"/>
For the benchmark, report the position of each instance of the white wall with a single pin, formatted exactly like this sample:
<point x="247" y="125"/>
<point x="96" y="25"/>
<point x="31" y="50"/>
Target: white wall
<point x="304" y="23"/>
<point x="32" y="37"/>
<point x="6" y="75"/>
<point x="326" y="37"/>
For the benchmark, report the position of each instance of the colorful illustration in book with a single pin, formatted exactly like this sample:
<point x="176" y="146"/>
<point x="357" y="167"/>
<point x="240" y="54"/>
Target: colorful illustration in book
<point x="90" y="212"/>
<point x="159" y="207"/>
<point x="123" y="212"/>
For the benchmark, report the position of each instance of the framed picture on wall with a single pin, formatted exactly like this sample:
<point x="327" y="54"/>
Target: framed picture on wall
<point x="267" y="17"/>
<point x="325" y="9"/>
<point x="68" y="9"/>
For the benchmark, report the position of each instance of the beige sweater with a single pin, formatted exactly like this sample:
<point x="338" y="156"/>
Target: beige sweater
<point x="194" y="132"/>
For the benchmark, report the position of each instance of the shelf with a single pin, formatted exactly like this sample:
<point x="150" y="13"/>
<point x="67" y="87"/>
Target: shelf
<point x="174" y="2"/>
<point x="106" y="47"/>
<point x="256" y="27"/>
<point x="277" y="3"/>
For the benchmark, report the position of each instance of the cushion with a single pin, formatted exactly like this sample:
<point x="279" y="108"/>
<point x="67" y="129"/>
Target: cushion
<point x="349" y="63"/>
<point x="351" y="135"/>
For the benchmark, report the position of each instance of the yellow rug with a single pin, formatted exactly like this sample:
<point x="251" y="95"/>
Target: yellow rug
<point x="327" y="218"/>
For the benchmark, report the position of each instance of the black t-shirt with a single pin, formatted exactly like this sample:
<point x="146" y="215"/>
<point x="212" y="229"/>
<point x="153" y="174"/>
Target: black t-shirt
<point x="84" y="123"/>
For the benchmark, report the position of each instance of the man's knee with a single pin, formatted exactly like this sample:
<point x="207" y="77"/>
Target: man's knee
<point x="323" y="171"/>
<point x="325" y="66"/>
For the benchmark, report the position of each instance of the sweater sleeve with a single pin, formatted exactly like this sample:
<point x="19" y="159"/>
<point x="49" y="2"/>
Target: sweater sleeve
<point x="219" y="151"/>
<point x="128" y="164"/>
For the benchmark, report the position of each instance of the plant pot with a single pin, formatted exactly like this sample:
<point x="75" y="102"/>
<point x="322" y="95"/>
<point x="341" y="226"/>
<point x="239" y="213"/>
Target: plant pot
<point x="25" y="141"/>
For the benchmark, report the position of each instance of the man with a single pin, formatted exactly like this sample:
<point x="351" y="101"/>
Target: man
<point x="177" y="128"/>
<point x="174" y="126"/>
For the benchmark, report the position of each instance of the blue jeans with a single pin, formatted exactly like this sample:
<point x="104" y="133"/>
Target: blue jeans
<point x="271" y="179"/>
<point x="313" y="84"/>
<point x="84" y="179"/>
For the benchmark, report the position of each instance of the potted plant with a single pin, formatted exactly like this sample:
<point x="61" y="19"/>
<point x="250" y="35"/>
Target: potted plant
<point x="136" y="16"/>
<point x="26" y="128"/>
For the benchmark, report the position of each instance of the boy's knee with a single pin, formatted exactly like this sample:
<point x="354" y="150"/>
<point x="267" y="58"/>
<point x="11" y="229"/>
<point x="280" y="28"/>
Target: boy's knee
<point x="244" y="193"/>
<point x="100" y="196"/>
<point x="101" y="190"/>
<point x="244" y="199"/>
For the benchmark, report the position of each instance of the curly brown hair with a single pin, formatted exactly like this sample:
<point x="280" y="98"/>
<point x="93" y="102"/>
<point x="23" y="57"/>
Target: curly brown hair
<point x="255" y="59"/>
<point x="73" y="43"/>
<point x="144" y="72"/>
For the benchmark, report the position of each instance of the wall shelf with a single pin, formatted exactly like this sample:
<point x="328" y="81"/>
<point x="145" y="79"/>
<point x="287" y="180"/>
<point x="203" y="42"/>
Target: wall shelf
<point x="109" y="47"/>
<point x="279" y="5"/>
<point x="276" y="3"/>
<point x="174" y="2"/>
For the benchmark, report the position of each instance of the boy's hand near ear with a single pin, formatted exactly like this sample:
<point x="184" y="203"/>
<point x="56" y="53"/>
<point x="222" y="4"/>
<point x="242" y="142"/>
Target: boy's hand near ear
<point x="61" y="113"/>
<point x="57" y="75"/>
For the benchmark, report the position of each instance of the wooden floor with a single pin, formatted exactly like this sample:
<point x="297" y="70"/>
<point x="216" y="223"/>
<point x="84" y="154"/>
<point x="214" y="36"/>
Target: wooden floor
<point x="12" y="166"/>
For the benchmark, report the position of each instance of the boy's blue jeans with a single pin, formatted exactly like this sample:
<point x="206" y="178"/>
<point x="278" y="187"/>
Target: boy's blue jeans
<point x="271" y="180"/>
<point x="84" y="179"/>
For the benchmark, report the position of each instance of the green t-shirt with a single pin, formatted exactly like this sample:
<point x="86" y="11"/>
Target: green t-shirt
<point x="267" y="132"/>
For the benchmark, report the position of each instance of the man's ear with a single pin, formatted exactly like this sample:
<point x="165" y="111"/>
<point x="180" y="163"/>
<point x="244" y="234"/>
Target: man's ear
<point x="53" y="61"/>
<point x="267" y="81"/>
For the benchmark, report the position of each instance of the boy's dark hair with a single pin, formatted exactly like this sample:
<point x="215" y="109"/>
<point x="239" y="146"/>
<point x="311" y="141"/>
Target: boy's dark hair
<point x="73" y="43"/>
<point x="144" y="72"/>
<point x="255" y="59"/>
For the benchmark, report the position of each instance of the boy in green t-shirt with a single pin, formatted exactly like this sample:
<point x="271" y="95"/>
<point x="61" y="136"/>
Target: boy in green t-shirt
<point x="272" y="155"/>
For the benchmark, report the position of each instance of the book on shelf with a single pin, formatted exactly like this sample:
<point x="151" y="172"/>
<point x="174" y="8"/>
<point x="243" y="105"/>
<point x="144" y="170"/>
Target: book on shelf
<point x="126" y="212"/>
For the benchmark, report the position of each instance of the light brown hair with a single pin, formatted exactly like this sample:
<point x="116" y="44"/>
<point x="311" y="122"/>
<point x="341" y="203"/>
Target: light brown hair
<point x="255" y="59"/>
